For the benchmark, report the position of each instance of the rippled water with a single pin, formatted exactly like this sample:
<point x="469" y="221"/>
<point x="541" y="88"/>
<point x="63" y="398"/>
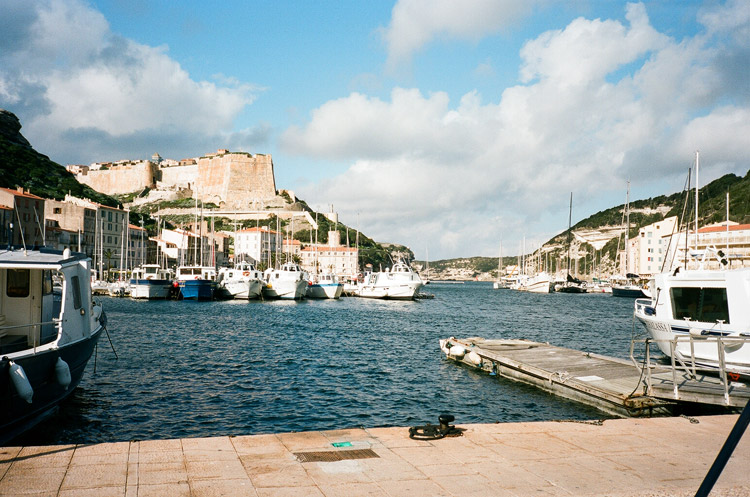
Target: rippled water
<point x="189" y="369"/>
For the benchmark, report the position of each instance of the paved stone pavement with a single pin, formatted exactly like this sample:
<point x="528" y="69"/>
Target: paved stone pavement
<point x="619" y="457"/>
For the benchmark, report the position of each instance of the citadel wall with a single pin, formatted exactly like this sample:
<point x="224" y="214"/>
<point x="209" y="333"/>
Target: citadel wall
<point x="120" y="179"/>
<point x="235" y="180"/>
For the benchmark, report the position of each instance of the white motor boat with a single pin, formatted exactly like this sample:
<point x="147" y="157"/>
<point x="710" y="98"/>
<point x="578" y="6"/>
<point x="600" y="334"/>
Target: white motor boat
<point x="701" y="316"/>
<point x="150" y="281"/>
<point x="400" y="283"/>
<point x="46" y="336"/>
<point x="287" y="282"/>
<point x="325" y="286"/>
<point x="539" y="283"/>
<point x="240" y="282"/>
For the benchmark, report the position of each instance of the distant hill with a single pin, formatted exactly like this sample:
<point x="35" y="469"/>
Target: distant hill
<point x="21" y="165"/>
<point x="712" y="209"/>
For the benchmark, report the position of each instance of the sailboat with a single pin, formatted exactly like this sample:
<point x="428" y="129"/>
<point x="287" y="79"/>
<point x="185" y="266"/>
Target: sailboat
<point x="627" y="286"/>
<point x="501" y="283"/>
<point x="571" y="284"/>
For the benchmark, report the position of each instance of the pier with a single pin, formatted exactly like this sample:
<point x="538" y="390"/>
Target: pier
<point x="616" y="457"/>
<point x="613" y="385"/>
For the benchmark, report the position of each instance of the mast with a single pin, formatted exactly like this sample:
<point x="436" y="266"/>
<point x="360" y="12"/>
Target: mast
<point x="697" y="166"/>
<point x="570" y="218"/>
<point x="627" y="227"/>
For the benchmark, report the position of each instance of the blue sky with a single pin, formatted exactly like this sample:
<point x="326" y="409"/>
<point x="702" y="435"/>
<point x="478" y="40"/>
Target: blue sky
<point x="443" y="125"/>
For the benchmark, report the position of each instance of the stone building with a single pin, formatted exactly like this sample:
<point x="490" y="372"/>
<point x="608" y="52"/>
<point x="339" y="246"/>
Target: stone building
<point x="331" y="257"/>
<point x="27" y="223"/>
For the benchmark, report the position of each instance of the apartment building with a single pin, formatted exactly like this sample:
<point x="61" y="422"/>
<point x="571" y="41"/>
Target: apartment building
<point x="26" y="225"/>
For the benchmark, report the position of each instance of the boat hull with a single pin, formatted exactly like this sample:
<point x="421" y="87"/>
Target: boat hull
<point x="150" y="289"/>
<point x="700" y="346"/>
<point x="17" y="415"/>
<point x="286" y="290"/>
<point x="197" y="289"/>
<point x="325" y="291"/>
<point x="243" y="289"/>
<point x="628" y="292"/>
<point x="397" y="292"/>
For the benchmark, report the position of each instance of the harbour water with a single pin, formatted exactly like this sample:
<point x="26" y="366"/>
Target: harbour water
<point x="194" y="369"/>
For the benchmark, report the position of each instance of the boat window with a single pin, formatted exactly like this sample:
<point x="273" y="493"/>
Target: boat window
<point x="707" y="305"/>
<point x="18" y="283"/>
<point x="46" y="282"/>
<point x="76" y="289"/>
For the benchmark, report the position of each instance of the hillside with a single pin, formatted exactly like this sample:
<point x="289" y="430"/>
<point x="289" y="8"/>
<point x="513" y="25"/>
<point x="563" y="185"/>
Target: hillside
<point x="21" y="165"/>
<point x="604" y="227"/>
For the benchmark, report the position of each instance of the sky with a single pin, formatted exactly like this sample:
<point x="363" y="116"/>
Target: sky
<point x="450" y="127"/>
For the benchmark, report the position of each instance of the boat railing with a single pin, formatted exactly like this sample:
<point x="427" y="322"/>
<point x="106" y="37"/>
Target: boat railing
<point x="687" y="364"/>
<point x="34" y="330"/>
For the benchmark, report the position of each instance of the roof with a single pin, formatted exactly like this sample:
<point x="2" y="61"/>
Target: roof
<point x="262" y="229"/>
<point x="20" y="194"/>
<point x="321" y="248"/>
<point x="723" y="228"/>
<point x="134" y="227"/>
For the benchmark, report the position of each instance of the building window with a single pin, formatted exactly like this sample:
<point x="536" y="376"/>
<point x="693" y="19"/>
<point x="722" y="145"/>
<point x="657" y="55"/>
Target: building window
<point x="57" y="210"/>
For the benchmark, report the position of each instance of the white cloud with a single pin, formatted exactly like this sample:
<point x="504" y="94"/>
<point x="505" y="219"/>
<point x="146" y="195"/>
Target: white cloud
<point x="415" y="23"/>
<point x="602" y="101"/>
<point x="89" y="82"/>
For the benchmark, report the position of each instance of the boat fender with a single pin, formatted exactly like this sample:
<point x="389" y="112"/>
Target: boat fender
<point x="97" y="312"/>
<point x="62" y="372"/>
<point x="21" y="382"/>
<point x="246" y="273"/>
<point x="475" y="358"/>
<point x="457" y="351"/>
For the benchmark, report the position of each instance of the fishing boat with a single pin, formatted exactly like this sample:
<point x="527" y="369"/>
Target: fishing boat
<point x="325" y="286"/>
<point x="398" y="283"/>
<point x="150" y="281"/>
<point x="243" y="281"/>
<point x="46" y="336"/>
<point x="701" y="315"/>
<point x="287" y="282"/>
<point x="196" y="282"/>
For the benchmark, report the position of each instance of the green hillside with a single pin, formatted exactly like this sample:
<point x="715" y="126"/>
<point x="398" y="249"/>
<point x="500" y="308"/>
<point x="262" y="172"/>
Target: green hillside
<point x="21" y="165"/>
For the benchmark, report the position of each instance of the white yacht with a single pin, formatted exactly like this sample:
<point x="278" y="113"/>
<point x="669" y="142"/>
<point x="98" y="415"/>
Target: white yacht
<point x="243" y="281"/>
<point x="150" y="281"/>
<point x="287" y="282"/>
<point x="694" y="314"/>
<point x="325" y="286"/>
<point x="46" y="335"/>
<point x="539" y="283"/>
<point x="400" y="283"/>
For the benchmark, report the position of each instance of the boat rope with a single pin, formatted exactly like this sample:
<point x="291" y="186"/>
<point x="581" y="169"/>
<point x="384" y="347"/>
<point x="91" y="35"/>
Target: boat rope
<point x="692" y="420"/>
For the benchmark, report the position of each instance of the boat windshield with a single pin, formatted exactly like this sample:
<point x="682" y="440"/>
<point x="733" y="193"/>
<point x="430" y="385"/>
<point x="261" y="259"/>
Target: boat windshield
<point x="707" y="305"/>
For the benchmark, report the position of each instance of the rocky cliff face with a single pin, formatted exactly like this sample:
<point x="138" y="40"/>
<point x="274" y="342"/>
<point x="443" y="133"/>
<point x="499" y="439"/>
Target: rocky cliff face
<point x="10" y="129"/>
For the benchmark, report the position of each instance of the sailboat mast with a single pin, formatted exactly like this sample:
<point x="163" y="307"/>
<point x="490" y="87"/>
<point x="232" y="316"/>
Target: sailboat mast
<point x="627" y="227"/>
<point x="697" y="166"/>
<point x="570" y="219"/>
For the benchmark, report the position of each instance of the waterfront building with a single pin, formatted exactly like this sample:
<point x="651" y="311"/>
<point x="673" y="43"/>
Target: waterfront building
<point x="256" y="245"/>
<point x="331" y="257"/>
<point x="731" y="238"/>
<point x="27" y="222"/>
<point x="183" y="247"/>
<point x="110" y="227"/>
<point x="647" y="252"/>
<point x="71" y="216"/>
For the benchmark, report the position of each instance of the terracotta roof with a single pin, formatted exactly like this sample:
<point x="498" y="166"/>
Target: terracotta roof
<point x="262" y="229"/>
<point x="322" y="248"/>
<point x="732" y="227"/>
<point x="20" y="194"/>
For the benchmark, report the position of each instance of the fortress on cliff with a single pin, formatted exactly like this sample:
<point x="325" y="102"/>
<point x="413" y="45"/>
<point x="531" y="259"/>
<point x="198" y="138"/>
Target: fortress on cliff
<point x="231" y="180"/>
